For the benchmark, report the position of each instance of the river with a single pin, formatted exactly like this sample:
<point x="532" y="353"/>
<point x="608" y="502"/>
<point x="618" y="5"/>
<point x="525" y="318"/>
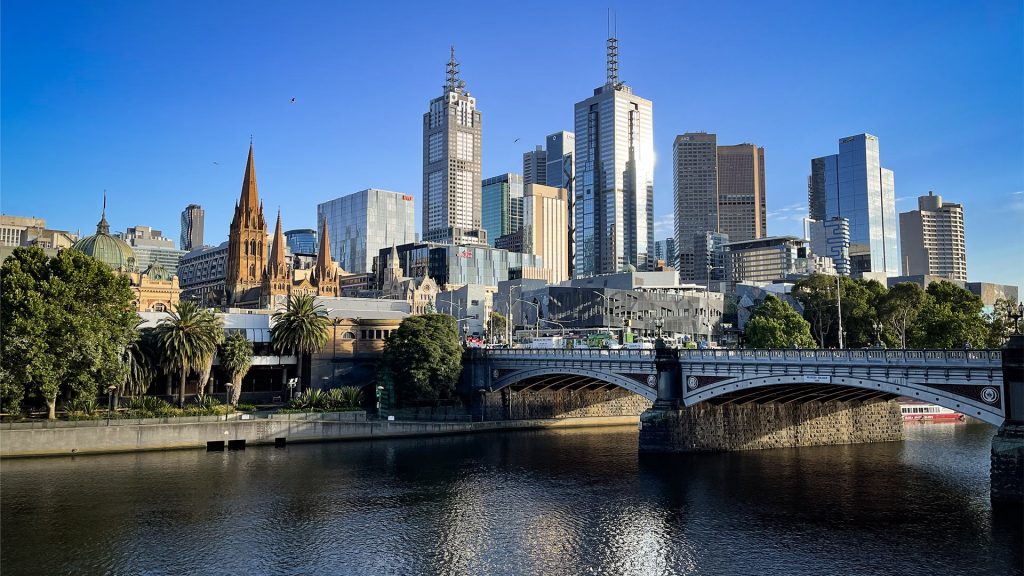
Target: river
<point x="550" y="502"/>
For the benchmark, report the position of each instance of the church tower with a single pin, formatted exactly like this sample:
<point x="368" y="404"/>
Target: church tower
<point x="277" y="281"/>
<point x="247" y="241"/>
<point x="326" y="273"/>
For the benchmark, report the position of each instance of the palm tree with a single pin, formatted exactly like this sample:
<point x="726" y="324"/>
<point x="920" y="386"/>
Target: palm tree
<point x="188" y="337"/>
<point x="140" y="371"/>
<point x="236" y="358"/>
<point x="301" y="328"/>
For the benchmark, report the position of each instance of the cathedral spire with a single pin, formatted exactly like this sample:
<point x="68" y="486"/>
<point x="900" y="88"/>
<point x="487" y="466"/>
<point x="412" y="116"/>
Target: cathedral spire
<point x="250" y="195"/>
<point x="324" y="262"/>
<point x="276" y="265"/>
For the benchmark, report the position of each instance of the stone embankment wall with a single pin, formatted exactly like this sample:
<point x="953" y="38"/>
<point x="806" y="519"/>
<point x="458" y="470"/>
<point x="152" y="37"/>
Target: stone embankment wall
<point x="1007" y="472"/>
<point x="707" y="427"/>
<point x="508" y="404"/>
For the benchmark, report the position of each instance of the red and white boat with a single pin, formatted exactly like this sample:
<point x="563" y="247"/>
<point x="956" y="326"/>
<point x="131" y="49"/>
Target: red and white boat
<point x="922" y="412"/>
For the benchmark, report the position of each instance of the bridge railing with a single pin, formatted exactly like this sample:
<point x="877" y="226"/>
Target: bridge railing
<point x="987" y="357"/>
<point x="563" y="353"/>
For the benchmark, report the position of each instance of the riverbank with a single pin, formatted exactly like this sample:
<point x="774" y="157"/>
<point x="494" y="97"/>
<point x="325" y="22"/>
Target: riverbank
<point x="98" y="437"/>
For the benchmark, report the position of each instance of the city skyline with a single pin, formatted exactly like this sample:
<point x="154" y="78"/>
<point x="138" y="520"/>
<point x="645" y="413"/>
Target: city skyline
<point x="150" y="124"/>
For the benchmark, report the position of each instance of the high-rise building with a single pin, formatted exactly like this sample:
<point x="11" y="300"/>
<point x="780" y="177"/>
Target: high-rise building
<point x="694" y="195"/>
<point x="614" y="186"/>
<point x="665" y="250"/>
<point x="150" y="246"/>
<point x="932" y="239"/>
<point x="191" y="227"/>
<point x="301" y="241"/>
<point x="535" y="166"/>
<point x="853" y="185"/>
<point x="561" y="171"/>
<point x="709" y="257"/>
<point x="741" y="192"/>
<point x="545" y="227"/>
<point x="765" y="259"/>
<point x="831" y="238"/>
<point x="502" y="205"/>
<point x="451" y="165"/>
<point x="364" y="223"/>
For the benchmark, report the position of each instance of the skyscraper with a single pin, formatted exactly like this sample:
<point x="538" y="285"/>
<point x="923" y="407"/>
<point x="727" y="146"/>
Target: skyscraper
<point x="545" y="223"/>
<point x="853" y="185"/>
<point x="831" y="238"/>
<point x="191" y="227"/>
<point x="741" y="192"/>
<point x="301" y="241"/>
<point x="364" y="223"/>
<point x="614" y="186"/>
<point x="535" y="166"/>
<point x="694" y="195"/>
<point x="561" y="148"/>
<point x="502" y="205"/>
<point x="932" y="239"/>
<point x="451" y="164"/>
<point x="665" y="250"/>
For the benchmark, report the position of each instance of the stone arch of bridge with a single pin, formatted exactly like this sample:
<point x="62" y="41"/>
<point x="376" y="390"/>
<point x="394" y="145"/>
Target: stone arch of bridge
<point x="795" y="387"/>
<point x="571" y="374"/>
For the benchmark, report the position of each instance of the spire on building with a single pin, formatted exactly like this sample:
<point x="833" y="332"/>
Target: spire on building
<point x="250" y="196"/>
<point x="102" y="227"/>
<point x="324" y="262"/>
<point x="613" y="52"/>
<point x="453" y="84"/>
<point x="276" y="266"/>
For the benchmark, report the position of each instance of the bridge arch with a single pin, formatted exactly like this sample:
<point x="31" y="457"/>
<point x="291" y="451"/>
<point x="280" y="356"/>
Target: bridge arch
<point x="796" y="387"/>
<point x="578" y="375"/>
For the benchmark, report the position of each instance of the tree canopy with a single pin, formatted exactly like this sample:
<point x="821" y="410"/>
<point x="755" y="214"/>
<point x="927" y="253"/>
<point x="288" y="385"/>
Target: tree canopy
<point x="66" y="322"/>
<point x="424" y="357"/>
<point x="301" y="328"/>
<point x="775" y="324"/>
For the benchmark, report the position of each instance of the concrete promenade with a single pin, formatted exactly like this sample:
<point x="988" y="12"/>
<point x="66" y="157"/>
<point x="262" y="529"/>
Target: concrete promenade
<point x="96" y="437"/>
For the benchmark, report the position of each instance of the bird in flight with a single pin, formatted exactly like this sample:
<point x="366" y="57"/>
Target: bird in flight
<point x="293" y="100"/>
<point x="217" y="163"/>
<point x="516" y="140"/>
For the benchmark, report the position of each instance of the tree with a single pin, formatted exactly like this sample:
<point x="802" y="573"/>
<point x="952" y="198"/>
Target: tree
<point x="951" y="318"/>
<point x="139" y="369"/>
<point x="775" y="324"/>
<point x="424" y="358"/>
<point x="817" y="293"/>
<point x="66" y="322"/>
<point x="301" y="328"/>
<point x="236" y="359"/>
<point x="188" y="337"/>
<point x="496" y="326"/>
<point x="900" y="308"/>
<point x="999" y="324"/>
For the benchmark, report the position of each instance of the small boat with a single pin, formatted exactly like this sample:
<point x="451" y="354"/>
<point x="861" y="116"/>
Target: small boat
<point x="922" y="412"/>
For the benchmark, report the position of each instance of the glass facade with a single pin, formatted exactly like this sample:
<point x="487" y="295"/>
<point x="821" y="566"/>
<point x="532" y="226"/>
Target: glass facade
<point x="191" y="227"/>
<point x="502" y="205"/>
<point x="614" y="181"/>
<point x="301" y="241"/>
<point x="853" y="185"/>
<point x="457" y="265"/>
<point x="694" y="196"/>
<point x="831" y="238"/>
<point x="362" y="224"/>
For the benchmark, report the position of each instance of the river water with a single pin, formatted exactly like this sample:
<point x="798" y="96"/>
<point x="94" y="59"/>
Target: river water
<point x="550" y="502"/>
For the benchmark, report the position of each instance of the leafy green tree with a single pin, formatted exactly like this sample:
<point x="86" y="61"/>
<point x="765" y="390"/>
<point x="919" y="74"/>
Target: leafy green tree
<point x="899" y="309"/>
<point x="817" y="294"/>
<point x="497" y="325"/>
<point x="139" y="368"/>
<point x="64" y="325"/>
<point x="951" y="318"/>
<point x="999" y="324"/>
<point x="775" y="324"/>
<point x="188" y="338"/>
<point x="424" y="359"/>
<point x="861" y="299"/>
<point x="236" y="358"/>
<point x="301" y="328"/>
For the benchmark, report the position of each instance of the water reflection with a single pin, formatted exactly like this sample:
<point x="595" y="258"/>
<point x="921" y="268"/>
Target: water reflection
<point x="559" y="502"/>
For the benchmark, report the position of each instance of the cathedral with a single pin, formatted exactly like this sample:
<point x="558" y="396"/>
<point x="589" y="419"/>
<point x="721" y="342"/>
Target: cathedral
<point x="258" y="275"/>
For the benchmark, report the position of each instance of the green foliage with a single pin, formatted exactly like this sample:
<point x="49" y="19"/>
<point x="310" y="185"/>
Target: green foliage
<point x="140" y="361"/>
<point x="950" y="318"/>
<point x="188" y="339"/>
<point x="64" y="325"/>
<point x="899" y="309"/>
<point x="236" y="357"/>
<point x="425" y="359"/>
<point x="246" y="407"/>
<point x="999" y="324"/>
<point x="497" y="325"/>
<point x="82" y="408"/>
<point x="149" y="407"/>
<point x="334" y="400"/>
<point x="301" y="328"/>
<point x="775" y="324"/>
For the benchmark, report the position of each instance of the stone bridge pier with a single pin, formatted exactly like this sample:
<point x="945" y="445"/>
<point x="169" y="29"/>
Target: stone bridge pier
<point x="772" y="417"/>
<point x="1007" y="472"/>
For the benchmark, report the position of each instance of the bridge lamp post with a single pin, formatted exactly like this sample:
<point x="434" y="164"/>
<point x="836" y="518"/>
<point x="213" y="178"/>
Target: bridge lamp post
<point x="707" y="299"/>
<point x="839" y="307"/>
<point x="658" y="323"/>
<point x="1014" y="315"/>
<point x="878" y="333"/>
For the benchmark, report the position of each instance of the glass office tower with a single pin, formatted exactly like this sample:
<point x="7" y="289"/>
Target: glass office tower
<point x="361" y="224"/>
<point x="301" y="241"/>
<point x="614" y="178"/>
<point x="853" y="185"/>
<point x="502" y="203"/>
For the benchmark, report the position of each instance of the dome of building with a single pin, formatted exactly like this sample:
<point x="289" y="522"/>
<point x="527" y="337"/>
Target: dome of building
<point x="112" y="251"/>
<point x="156" y="271"/>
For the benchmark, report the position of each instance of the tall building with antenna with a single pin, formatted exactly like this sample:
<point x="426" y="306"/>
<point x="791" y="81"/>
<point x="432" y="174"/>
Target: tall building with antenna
<point x="451" y="165"/>
<point x="614" y="186"/>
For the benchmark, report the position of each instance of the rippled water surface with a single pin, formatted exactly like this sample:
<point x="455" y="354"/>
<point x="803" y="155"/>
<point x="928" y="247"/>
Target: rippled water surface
<point x="552" y="502"/>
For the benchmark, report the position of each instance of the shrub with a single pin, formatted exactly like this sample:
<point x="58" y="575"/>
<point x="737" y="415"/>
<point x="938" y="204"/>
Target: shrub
<point x="246" y="407"/>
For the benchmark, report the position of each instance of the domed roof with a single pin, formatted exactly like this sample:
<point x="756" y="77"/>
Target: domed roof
<point x="156" y="271"/>
<point x="112" y="251"/>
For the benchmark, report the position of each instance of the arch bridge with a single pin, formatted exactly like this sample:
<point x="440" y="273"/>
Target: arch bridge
<point x="967" y="381"/>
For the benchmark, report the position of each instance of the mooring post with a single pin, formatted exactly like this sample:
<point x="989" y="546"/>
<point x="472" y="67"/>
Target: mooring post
<point x="1007" y="472"/>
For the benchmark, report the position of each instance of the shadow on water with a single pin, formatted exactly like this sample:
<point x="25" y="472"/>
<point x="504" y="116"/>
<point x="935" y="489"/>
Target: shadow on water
<point x="550" y="502"/>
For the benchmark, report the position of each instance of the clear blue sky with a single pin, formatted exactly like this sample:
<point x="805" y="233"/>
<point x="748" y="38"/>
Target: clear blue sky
<point x="155" y="101"/>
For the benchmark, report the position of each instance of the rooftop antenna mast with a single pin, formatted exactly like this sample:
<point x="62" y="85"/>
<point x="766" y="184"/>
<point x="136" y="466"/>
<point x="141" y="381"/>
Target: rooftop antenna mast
<point x="613" y="51"/>
<point x="453" y="82"/>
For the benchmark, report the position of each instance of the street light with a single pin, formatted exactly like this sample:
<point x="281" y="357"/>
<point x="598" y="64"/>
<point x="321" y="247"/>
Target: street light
<point x="1015" y="316"/>
<point x="839" y="308"/>
<point x="227" y="396"/>
<point x="658" y="323"/>
<point x="607" y="306"/>
<point x="110" y="401"/>
<point x="380" y="392"/>
<point x="878" y="333"/>
<point x="536" y="312"/>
